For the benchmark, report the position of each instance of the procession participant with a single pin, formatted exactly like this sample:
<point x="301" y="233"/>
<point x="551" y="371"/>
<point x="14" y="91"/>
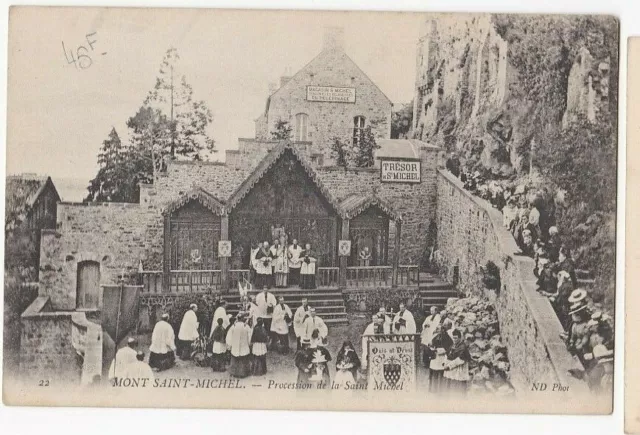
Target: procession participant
<point x="456" y="367"/>
<point x="319" y="358"/>
<point x="428" y="329"/>
<point x="298" y="321"/>
<point x="280" y="262"/>
<point x="382" y="312"/>
<point x="124" y="356"/>
<point x="280" y="325"/>
<point x="220" y="313"/>
<point x="302" y="362"/>
<point x="219" y="348"/>
<point x="238" y="339"/>
<point x="188" y="332"/>
<point x="139" y="369"/>
<point x="162" y="350"/>
<point x="374" y="328"/>
<point x="308" y="268"/>
<point x="249" y="305"/>
<point x="315" y="323"/>
<point x="266" y="302"/>
<point x="255" y="247"/>
<point x="403" y="321"/>
<point x="262" y="265"/>
<point x="259" y="340"/>
<point x="441" y="342"/>
<point x="447" y="326"/>
<point x="295" y="262"/>
<point x="347" y="364"/>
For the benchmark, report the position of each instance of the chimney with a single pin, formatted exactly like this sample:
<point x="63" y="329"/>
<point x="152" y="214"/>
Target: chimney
<point x="333" y="38"/>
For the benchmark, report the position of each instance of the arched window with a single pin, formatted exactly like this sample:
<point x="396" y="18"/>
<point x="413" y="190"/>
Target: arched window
<point x="358" y="127"/>
<point x="302" y="127"/>
<point x="88" y="285"/>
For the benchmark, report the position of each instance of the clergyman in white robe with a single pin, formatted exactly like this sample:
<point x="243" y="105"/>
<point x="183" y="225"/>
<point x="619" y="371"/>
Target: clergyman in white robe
<point x="280" y="325"/>
<point x="188" y="332"/>
<point x="298" y="321"/>
<point x="403" y="322"/>
<point x="125" y="356"/>
<point x="163" y="345"/>
<point x="313" y="323"/>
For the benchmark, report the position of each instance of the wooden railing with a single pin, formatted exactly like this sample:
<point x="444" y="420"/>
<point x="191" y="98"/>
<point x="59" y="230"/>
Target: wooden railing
<point x="237" y="275"/>
<point x="327" y="277"/>
<point x="409" y="275"/>
<point x="202" y="281"/>
<point x="151" y="281"/>
<point x="369" y="276"/>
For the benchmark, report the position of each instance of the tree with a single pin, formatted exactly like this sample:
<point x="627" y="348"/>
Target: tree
<point x="365" y="147"/>
<point x="282" y="131"/>
<point x="401" y="121"/>
<point x="340" y="152"/>
<point x="108" y="182"/>
<point x="187" y="119"/>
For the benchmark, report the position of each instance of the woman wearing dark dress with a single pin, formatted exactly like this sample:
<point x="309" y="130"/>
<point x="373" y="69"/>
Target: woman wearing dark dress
<point x="347" y="364"/>
<point x="259" y="340"/>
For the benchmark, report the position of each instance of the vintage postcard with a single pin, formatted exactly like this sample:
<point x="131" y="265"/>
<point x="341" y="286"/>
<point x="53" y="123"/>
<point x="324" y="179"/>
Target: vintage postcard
<point x="310" y="210"/>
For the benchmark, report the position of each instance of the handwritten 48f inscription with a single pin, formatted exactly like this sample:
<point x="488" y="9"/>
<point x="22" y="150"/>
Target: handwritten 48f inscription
<point x="82" y="58"/>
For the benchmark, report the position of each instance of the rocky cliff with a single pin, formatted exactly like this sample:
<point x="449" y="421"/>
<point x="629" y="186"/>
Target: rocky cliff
<point x="492" y="86"/>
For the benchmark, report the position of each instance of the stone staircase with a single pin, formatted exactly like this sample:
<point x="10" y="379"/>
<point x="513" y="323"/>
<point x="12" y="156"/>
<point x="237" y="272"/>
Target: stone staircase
<point x="435" y="291"/>
<point x="328" y="302"/>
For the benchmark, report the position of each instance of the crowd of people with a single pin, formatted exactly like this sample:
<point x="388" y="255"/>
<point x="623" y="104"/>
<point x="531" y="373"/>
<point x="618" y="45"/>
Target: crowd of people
<point x="529" y="216"/>
<point x="279" y="265"/>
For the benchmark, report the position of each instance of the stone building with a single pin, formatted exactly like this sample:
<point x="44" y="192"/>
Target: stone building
<point x="330" y="97"/>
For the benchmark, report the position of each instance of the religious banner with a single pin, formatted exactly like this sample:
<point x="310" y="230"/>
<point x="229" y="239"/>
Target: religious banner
<point x="224" y="248"/>
<point x="331" y="94"/>
<point x="400" y="171"/>
<point x="392" y="362"/>
<point x="344" y="248"/>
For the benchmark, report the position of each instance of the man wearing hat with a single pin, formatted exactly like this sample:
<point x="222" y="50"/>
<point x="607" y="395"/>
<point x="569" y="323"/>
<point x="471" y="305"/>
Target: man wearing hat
<point x="125" y="356"/>
<point x="163" y="345"/>
<point x="188" y="332"/>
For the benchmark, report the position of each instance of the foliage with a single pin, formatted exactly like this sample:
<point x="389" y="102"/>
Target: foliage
<point x="491" y="276"/>
<point x="169" y="124"/>
<point x="365" y="147"/>
<point x="282" y="131"/>
<point x="340" y="152"/>
<point x="401" y="121"/>
<point x="188" y="118"/>
<point x="112" y="180"/>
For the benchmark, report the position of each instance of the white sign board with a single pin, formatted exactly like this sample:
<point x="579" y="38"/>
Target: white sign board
<point x="400" y="171"/>
<point x="331" y="94"/>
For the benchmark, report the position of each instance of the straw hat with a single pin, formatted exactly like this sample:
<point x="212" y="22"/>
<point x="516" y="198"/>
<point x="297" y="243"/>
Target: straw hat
<point x="577" y="296"/>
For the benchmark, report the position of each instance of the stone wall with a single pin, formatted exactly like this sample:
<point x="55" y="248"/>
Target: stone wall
<point x="415" y="202"/>
<point x="117" y="236"/>
<point x="46" y="352"/>
<point x="470" y="233"/>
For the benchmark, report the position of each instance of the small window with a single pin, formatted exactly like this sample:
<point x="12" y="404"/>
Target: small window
<point x="358" y="127"/>
<point x="302" y="127"/>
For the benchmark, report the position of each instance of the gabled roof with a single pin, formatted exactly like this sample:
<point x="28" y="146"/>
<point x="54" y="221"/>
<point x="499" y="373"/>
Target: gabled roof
<point x="22" y="192"/>
<point x="266" y="163"/>
<point x="209" y="201"/>
<point x="353" y="205"/>
<point x="311" y="63"/>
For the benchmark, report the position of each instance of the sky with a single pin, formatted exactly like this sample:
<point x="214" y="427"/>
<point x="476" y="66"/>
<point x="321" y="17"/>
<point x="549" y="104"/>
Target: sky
<point x="59" y="113"/>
